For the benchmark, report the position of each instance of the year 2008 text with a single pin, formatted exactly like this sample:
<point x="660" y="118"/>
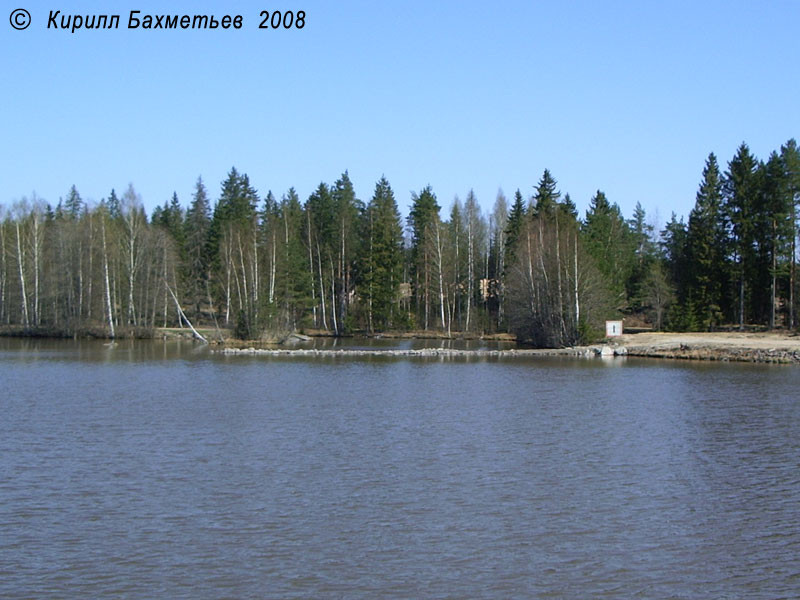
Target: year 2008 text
<point x="282" y="20"/>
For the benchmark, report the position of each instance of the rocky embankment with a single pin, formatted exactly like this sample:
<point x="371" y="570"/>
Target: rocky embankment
<point x="580" y="351"/>
<point x="726" y="347"/>
<point x="690" y="352"/>
<point x="402" y="353"/>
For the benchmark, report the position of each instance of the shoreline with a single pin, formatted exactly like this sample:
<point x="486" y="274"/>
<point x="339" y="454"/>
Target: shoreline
<point x="749" y="347"/>
<point x="768" y="347"/>
<point x="775" y="348"/>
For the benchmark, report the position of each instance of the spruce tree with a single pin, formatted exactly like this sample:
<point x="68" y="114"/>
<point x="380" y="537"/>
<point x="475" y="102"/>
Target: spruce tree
<point x="114" y="206"/>
<point x="294" y="282"/>
<point x="608" y="239"/>
<point x="383" y="258"/>
<point x="348" y="245"/>
<point x="790" y="157"/>
<point x="776" y="233"/>
<point x="170" y="217"/>
<point x="320" y="236"/>
<point x="231" y="249"/>
<point x="673" y="244"/>
<point x="568" y="207"/>
<point x="195" y="235"/>
<point x="705" y="251"/>
<point x="516" y="220"/>
<point x="740" y="205"/>
<point x="422" y="218"/>
<point x="546" y="197"/>
<point x="645" y="255"/>
<point x="73" y="206"/>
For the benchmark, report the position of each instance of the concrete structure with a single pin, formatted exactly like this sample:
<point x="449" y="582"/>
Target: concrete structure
<point x="613" y="328"/>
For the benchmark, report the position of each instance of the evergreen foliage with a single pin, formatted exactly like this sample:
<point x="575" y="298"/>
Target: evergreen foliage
<point x="422" y="219"/>
<point x="609" y="240"/>
<point x="705" y="253"/>
<point x="73" y="206"/>
<point x="546" y="197"/>
<point x="335" y="264"/>
<point x="382" y="264"/>
<point x="516" y="219"/>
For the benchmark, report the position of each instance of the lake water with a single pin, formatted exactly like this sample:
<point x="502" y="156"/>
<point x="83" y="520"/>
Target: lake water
<point x="162" y="470"/>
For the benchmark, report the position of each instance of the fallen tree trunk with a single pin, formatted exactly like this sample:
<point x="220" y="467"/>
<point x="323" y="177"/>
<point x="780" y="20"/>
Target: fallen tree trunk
<point x="184" y="317"/>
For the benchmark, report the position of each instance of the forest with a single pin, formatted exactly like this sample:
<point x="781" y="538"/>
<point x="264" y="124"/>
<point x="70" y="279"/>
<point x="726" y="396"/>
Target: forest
<point x="258" y="265"/>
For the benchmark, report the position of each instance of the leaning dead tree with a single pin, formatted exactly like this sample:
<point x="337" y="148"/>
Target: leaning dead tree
<point x="195" y="333"/>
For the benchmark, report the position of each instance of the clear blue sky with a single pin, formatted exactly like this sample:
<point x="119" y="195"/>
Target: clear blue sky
<point x="627" y="97"/>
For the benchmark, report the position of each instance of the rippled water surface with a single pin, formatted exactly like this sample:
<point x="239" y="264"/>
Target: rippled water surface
<point x="154" y="469"/>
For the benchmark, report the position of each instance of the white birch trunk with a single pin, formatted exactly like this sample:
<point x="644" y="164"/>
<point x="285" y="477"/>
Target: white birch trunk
<point x="441" y="275"/>
<point x="185" y="318"/>
<point x="470" y="266"/>
<point x="21" y="265"/>
<point x="311" y="267"/>
<point x="333" y="298"/>
<point x="109" y="310"/>
<point x="131" y="276"/>
<point x="37" y="252"/>
<point x="577" y="302"/>
<point x="321" y="289"/>
<point x="91" y="264"/>
<point x="254" y="277"/>
<point x="273" y="267"/>
<point x="166" y="298"/>
<point x="245" y="288"/>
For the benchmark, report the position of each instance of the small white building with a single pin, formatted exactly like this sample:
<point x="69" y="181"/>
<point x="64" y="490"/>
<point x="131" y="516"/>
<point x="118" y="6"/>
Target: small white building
<point x="613" y="328"/>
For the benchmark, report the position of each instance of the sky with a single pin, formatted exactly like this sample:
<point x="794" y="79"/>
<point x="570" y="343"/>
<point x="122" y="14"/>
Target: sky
<point x="626" y="97"/>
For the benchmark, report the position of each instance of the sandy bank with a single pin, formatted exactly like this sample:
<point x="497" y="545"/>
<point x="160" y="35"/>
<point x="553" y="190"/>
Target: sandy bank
<point x="724" y="346"/>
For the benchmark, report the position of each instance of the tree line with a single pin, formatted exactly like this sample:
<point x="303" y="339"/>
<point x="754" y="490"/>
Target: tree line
<point x="258" y="264"/>
<point x="735" y="261"/>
